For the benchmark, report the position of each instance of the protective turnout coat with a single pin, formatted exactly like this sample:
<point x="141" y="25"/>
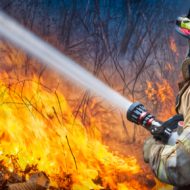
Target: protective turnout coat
<point x="171" y="164"/>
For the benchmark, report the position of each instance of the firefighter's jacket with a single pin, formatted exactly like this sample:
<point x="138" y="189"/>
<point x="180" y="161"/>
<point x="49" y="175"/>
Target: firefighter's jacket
<point x="171" y="164"/>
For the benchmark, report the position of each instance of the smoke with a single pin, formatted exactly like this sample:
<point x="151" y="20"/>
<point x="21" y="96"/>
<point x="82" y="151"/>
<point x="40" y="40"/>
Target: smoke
<point x="50" y="56"/>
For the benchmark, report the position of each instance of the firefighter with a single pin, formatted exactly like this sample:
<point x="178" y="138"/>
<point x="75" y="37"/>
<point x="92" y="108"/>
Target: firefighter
<point x="171" y="164"/>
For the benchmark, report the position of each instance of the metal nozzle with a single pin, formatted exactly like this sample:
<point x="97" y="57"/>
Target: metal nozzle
<point x="138" y="114"/>
<point x="135" y="111"/>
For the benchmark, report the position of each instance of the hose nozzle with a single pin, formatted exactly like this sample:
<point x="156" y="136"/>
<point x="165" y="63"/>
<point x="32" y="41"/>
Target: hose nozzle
<point x="138" y="114"/>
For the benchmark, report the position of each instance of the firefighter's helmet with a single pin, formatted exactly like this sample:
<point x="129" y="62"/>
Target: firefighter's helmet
<point x="183" y="25"/>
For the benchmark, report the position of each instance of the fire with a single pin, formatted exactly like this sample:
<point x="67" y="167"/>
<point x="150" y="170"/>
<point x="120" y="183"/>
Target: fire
<point x="162" y="95"/>
<point x="173" y="46"/>
<point x="39" y="132"/>
<point x="37" y="128"/>
<point x="159" y="92"/>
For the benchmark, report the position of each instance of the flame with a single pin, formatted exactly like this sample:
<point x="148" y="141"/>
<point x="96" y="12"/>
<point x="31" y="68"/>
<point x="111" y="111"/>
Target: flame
<point x="161" y="94"/>
<point x="40" y="131"/>
<point x="173" y="46"/>
<point x="37" y="127"/>
<point x="162" y="186"/>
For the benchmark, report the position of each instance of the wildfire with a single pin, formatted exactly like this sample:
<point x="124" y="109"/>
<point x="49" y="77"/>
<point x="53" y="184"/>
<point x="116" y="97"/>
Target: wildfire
<point x="39" y="132"/>
<point x="37" y="127"/>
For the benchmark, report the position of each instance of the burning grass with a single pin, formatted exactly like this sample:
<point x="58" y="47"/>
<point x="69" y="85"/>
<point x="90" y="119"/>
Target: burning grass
<point x="39" y="129"/>
<point x="40" y="134"/>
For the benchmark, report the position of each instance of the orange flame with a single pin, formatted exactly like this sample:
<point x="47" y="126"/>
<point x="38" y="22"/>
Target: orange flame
<point x="38" y="127"/>
<point x="161" y="94"/>
<point x="173" y="46"/>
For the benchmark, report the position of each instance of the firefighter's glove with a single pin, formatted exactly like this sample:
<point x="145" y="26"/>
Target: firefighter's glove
<point x="147" y="148"/>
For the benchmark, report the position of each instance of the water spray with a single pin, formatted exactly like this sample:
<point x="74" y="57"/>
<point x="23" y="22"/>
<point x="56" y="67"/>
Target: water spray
<point x="47" y="54"/>
<point x="29" y="42"/>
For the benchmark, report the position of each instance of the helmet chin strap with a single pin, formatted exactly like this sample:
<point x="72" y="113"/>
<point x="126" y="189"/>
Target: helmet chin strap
<point x="188" y="52"/>
<point x="188" y="15"/>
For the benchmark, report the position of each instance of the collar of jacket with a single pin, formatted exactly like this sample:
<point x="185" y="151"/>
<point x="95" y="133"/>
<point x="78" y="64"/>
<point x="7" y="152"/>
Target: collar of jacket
<point x="182" y="88"/>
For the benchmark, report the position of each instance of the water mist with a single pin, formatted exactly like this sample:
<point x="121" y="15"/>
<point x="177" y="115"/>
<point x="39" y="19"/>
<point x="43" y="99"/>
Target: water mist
<point x="35" y="46"/>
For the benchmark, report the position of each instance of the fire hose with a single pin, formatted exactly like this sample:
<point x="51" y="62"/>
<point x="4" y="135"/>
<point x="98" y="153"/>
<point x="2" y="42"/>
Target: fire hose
<point x="167" y="131"/>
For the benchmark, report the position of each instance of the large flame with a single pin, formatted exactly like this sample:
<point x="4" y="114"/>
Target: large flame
<point x="38" y="129"/>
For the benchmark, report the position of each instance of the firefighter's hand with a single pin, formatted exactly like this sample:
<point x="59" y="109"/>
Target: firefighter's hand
<point x="147" y="148"/>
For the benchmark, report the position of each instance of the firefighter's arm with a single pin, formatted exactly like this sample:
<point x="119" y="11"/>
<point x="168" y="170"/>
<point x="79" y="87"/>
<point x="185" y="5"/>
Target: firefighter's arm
<point x="171" y="164"/>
